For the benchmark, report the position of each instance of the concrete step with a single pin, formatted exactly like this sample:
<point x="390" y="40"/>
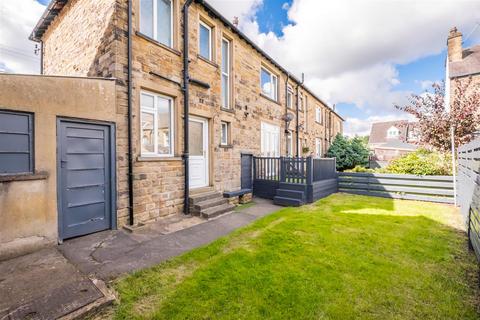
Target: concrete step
<point x="200" y="197"/>
<point x="216" y="211"/>
<point x="287" y="202"/>
<point x="200" y="206"/>
<point x="291" y="186"/>
<point x="300" y="195"/>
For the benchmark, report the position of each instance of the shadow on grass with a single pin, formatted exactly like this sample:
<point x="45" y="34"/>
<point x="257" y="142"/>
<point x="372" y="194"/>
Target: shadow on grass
<point x="344" y="257"/>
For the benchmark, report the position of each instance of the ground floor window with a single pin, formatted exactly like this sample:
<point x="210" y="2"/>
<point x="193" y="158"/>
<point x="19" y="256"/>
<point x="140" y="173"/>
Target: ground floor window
<point x="156" y="125"/>
<point x="16" y="142"/>
<point x="289" y="144"/>
<point x="224" y="133"/>
<point x="318" y="148"/>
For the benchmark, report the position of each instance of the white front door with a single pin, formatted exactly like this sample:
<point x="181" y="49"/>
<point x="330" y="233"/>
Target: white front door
<point x="198" y="164"/>
<point x="270" y="143"/>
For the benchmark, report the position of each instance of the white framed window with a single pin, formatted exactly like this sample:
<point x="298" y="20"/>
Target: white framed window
<point x="156" y="20"/>
<point x="289" y="98"/>
<point x="205" y="40"/>
<point x="224" y="133"/>
<point x="289" y="144"/>
<point x="393" y="132"/>
<point x="226" y="67"/>
<point x="318" y="115"/>
<point x="157" y="130"/>
<point x="269" y="84"/>
<point x="318" y="148"/>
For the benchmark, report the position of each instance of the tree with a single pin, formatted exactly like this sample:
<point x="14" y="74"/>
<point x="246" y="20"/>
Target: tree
<point x="348" y="152"/>
<point x="435" y="121"/>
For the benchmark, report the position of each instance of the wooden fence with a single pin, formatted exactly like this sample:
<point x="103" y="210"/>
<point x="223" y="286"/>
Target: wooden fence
<point x="468" y="190"/>
<point x="399" y="186"/>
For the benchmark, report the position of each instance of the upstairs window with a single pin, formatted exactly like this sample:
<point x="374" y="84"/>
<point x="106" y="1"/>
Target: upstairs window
<point x="226" y="73"/>
<point x="205" y="41"/>
<point x="318" y="115"/>
<point x="393" y="132"/>
<point x="269" y="84"/>
<point x="156" y="20"/>
<point x="16" y="142"/>
<point x="289" y="98"/>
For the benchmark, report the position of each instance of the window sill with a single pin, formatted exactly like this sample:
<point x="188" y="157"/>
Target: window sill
<point x="213" y="64"/>
<point x="158" y="159"/>
<point x="226" y="146"/>
<point x="229" y="110"/>
<point x="145" y="37"/>
<point x="23" y="177"/>
<point x="269" y="99"/>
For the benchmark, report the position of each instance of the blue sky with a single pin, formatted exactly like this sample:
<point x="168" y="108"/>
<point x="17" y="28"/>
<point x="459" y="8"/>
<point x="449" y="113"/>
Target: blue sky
<point x="364" y="56"/>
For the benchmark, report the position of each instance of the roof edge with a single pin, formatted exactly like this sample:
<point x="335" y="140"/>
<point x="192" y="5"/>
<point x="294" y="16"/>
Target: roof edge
<point x="56" y="6"/>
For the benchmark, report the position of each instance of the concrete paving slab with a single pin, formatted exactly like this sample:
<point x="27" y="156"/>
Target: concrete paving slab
<point x="43" y="285"/>
<point x="106" y="255"/>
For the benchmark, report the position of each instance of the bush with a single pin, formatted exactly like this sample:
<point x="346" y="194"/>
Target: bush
<point x="361" y="169"/>
<point x="422" y="162"/>
<point x="348" y="152"/>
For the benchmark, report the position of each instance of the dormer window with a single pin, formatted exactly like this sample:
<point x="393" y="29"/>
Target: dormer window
<point x="393" y="132"/>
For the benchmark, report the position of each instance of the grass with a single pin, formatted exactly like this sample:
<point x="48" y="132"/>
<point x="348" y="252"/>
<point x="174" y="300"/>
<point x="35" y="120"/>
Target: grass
<point x="344" y="257"/>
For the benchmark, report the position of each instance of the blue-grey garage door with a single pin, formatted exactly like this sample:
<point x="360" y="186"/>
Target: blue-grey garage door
<point x="86" y="178"/>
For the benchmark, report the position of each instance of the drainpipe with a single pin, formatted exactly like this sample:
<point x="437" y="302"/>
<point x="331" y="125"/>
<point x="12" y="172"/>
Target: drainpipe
<point x="296" y="116"/>
<point x="130" y="116"/>
<point x="286" y="113"/>
<point x="186" y="88"/>
<point x="41" y="57"/>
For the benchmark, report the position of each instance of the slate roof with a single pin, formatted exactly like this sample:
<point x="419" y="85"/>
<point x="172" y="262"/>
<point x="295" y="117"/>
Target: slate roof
<point x="55" y="6"/>
<point x="470" y="64"/>
<point x="396" y="144"/>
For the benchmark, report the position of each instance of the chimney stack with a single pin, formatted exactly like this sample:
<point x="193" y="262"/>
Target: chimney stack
<point x="454" y="45"/>
<point x="235" y="21"/>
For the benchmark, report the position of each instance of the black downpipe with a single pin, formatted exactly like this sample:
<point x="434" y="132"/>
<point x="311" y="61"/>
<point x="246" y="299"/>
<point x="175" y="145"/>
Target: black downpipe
<point x="130" y="116"/>
<point x="297" y="120"/>
<point x="41" y="56"/>
<point x="286" y="114"/>
<point x="186" y="91"/>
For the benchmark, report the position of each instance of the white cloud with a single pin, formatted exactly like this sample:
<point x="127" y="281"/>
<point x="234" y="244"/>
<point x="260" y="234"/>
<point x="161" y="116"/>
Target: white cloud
<point x="17" y="20"/>
<point x="243" y="9"/>
<point x="349" y="50"/>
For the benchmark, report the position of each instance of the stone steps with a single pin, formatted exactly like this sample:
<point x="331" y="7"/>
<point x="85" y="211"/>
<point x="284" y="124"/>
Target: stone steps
<point x="209" y="204"/>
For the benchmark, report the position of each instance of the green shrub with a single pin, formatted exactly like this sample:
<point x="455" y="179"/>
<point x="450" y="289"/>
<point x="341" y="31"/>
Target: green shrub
<point x="348" y="152"/>
<point x="361" y="169"/>
<point x="422" y="162"/>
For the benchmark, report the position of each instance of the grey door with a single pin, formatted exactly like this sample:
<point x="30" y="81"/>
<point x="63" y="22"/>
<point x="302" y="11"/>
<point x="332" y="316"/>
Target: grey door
<point x="85" y="178"/>
<point x="246" y="171"/>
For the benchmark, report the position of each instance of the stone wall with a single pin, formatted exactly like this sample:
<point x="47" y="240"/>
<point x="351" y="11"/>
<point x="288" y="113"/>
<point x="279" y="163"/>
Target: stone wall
<point x="28" y="203"/>
<point x="158" y="182"/>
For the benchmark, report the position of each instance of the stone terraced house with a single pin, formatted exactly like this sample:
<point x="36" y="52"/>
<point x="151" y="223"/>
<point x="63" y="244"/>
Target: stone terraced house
<point x="240" y="102"/>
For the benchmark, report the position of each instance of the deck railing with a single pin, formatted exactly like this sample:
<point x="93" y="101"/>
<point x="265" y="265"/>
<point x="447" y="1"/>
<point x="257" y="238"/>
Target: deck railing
<point x="296" y="170"/>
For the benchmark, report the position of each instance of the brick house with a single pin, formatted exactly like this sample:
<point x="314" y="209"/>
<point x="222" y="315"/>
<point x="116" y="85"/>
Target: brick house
<point x="461" y="64"/>
<point x="389" y="140"/>
<point x="238" y="98"/>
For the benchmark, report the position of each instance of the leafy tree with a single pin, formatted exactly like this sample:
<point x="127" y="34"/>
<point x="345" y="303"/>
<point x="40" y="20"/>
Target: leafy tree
<point x="435" y="121"/>
<point x="348" y="152"/>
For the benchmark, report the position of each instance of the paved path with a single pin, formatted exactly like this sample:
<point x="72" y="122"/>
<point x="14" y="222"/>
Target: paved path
<point x="106" y="255"/>
<point x="47" y="284"/>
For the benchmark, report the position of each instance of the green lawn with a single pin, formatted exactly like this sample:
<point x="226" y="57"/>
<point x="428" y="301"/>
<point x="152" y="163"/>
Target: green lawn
<point x="344" y="257"/>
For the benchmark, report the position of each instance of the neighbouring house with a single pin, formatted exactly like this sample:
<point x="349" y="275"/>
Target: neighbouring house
<point x="390" y="140"/>
<point x="240" y="102"/>
<point x="461" y="64"/>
